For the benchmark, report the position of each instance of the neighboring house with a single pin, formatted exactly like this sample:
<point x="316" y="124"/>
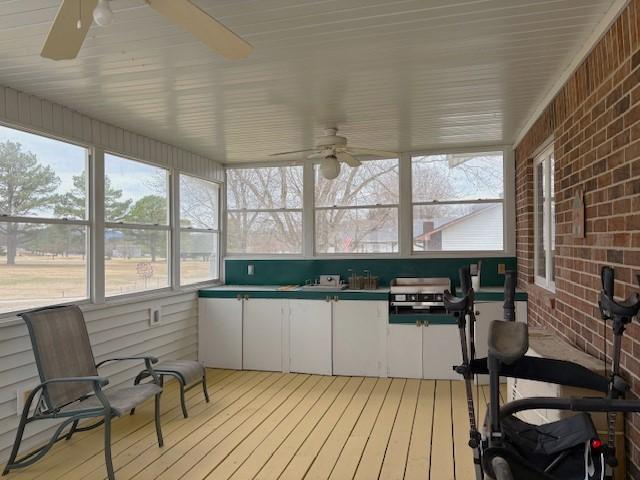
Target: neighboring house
<point x="480" y="229"/>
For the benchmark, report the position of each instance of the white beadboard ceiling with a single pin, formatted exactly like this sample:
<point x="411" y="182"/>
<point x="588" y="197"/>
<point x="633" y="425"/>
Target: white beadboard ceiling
<point x="391" y="74"/>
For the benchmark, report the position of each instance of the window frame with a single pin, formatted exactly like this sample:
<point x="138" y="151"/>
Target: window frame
<point x="88" y="222"/>
<point x="543" y="156"/>
<point x="179" y="229"/>
<point x="314" y="208"/>
<point x="301" y="211"/>
<point x="507" y="202"/>
<point x="168" y="228"/>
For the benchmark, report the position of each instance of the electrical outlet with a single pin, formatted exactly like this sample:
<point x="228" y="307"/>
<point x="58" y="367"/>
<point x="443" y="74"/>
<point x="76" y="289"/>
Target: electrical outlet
<point x="502" y="268"/>
<point x="155" y="316"/>
<point x="22" y="394"/>
<point x="250" y="269"/>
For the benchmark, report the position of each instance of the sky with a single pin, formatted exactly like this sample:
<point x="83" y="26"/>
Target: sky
<point x="68" y="160"/>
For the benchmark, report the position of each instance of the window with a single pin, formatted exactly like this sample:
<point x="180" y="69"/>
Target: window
<point x="458" y="201"/>
<point x="358" y="211"/>
<point x="264" y="210"/>
<point x="136" y="226"/>
<point x="544" y="219"/>
<point x="44" y="221"/>
<point x="199" y="230"/>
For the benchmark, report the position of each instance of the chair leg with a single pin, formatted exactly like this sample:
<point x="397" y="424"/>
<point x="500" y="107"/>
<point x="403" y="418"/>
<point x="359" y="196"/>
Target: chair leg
<point x="18" y="441"/>
<point x="204" y="387"/>
<point x="107" y="447"/>
<point x="158" y="426"/>
<point x="182" y="401"/>
<point x="72" y="430"/>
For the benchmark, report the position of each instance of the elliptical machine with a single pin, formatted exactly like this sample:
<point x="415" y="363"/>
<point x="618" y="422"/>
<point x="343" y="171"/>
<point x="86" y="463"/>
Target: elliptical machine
<point x="508" y="448"/>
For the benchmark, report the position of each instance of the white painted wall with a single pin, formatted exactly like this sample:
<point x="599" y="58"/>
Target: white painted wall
<point x="116" y="328"/>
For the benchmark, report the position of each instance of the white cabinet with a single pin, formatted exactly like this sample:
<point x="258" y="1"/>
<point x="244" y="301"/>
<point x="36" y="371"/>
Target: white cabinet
<point x="423" y="351"/>
<point x="440" y="352"/>
<point x="220" y="332"/>
<point x="262" y="334"/>
<point x="310" y="336"/>
<point x="359" y="344"/>
<point x="404" y="351"/>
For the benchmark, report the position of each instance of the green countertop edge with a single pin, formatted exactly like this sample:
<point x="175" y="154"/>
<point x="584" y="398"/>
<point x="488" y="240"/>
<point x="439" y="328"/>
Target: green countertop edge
<point x="342" y="295"/>
<point x="302" y="295"/>
<point x="412" y="318"/>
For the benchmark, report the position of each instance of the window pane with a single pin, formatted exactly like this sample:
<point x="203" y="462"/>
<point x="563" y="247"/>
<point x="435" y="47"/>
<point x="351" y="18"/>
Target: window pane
<point x="41" y="177"/>
<point x="264" y="232"/>
<point x="362" y="230"/>
<point x="41" y="265"/>
<point x="264" y="188"/>
<point x="198" y="203"/>
<point x="541" y="258"/>
<point x="135" y="260"/>
<point x="374" y="182"/>
<point x="135" y="192"/>
<point x="468" y="176"/>
<point x="458" y="227"/>
<point x="198" y="257"/>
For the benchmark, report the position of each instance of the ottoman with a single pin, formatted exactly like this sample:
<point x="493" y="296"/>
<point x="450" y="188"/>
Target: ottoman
<point x="189" y="374"/>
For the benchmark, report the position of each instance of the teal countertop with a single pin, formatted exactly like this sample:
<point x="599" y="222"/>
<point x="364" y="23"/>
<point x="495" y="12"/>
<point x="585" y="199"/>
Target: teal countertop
<point x="484" y="294"/>
<point x="272" y="291"/>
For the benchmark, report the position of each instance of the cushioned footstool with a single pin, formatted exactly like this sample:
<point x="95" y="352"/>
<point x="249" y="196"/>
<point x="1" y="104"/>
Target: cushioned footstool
<point x="189" y="374"/>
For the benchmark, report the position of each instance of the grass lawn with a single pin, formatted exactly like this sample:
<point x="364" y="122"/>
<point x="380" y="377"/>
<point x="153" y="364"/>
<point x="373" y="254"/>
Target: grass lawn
<point x="43" y="280"/>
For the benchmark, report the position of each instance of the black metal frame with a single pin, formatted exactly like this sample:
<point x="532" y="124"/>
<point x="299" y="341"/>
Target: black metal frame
<point x="45" y="411"/>
<point x="183" y="385"/>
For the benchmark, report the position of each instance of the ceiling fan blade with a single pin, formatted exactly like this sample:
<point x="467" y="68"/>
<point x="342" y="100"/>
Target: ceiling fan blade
<point x="204" y="27"/>
<point x="65" y="39"/>
<point x="371" y="151"/>
<point x="348" y="159"/>
<point x="295" y="151"/>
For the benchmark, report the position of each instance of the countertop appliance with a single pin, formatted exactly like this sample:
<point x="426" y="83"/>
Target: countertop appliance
<point x="408" y="294"/>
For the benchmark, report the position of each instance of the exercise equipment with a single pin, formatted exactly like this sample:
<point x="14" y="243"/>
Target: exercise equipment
<point x="507" y="448"/>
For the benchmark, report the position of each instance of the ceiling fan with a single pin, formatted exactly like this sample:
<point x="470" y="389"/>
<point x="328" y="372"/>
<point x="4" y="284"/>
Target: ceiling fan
<point x="74" y="18"/>
<point x="333" y="149"/>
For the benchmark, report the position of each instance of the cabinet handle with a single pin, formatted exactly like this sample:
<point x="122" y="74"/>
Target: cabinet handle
<point x="335" y="299"/>
<point x="327" y="299"/>
<point x="246" y="297"/>
<point x="238" y="297"/>
<point x="417" y="323"/>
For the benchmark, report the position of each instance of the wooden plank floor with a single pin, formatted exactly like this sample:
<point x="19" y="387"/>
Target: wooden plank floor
<point x="266" y="425"/>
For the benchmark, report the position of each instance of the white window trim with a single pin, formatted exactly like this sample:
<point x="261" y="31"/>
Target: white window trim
<point x="543" y="155"/>
<point x="405" y="211"/>
<point x="508" y="204"/>
<point x="301" y="211"/>
<point x="179" y="229"/>
<point x="169" y="228"/>
<point x="96" y="224"/>
<point x="354" y="207"/>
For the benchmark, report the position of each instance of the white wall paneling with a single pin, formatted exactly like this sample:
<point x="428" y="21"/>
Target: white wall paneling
<point x="114" y="330"/>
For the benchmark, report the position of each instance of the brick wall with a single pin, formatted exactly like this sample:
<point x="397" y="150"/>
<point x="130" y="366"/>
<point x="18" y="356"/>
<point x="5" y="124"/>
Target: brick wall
<point x="595" y="121"/>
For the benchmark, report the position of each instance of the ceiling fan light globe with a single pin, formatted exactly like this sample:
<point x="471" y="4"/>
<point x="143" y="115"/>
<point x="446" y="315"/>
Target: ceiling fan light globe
<point x="102" y="14"/>
<point x="330" y="167"/>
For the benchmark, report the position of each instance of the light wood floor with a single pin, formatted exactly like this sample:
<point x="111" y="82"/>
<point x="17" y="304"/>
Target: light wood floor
<point x="290" y="426"/>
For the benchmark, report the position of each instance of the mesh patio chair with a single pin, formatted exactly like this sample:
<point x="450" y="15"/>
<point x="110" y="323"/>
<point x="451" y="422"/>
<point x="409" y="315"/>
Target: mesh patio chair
<point x="71" y="388"/>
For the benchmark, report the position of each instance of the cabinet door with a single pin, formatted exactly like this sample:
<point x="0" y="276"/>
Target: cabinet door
<point x="404" y="351"/>
<point x="220" y="332"/>
<point x="262" y="334"/>
<point x="440" y="352"/>
<point x="310" y="336"/>
<point x="359" y="338"/>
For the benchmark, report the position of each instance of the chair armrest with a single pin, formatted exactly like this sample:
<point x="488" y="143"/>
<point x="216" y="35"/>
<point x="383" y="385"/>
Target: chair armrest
<point x="147" y="359"/>
<point x="101" y="381"/>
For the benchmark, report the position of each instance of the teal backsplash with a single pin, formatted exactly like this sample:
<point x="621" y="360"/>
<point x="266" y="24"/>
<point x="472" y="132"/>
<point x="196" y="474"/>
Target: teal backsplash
<point x="288" y="271"/>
